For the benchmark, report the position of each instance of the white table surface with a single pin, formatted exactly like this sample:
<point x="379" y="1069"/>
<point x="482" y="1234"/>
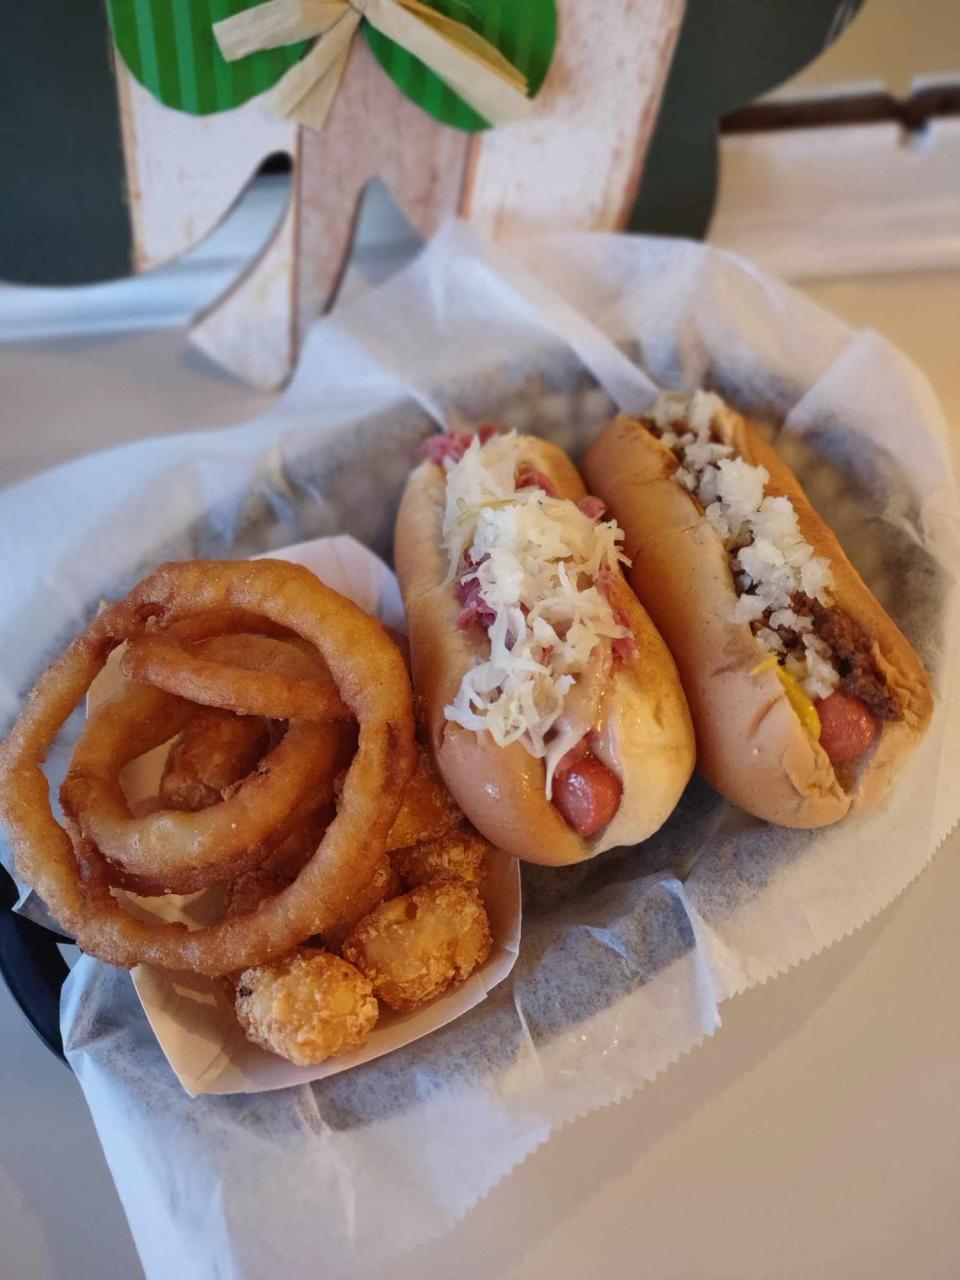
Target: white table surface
<point x="816" y="1135"/>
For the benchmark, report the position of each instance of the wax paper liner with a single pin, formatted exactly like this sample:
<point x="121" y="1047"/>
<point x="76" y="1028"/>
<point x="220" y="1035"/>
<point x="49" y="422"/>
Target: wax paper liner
<point x="625" y="960"/>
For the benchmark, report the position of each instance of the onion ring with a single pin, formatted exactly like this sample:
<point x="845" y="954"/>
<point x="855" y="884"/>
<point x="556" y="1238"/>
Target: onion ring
<point x="373" y="682"/>
<point x="252" y="675"/>
<point x="182" y="851"/>
<point x="218" y="622"/>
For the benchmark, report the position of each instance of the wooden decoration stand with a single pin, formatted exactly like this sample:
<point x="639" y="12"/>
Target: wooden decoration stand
<point x="573" y="163"/>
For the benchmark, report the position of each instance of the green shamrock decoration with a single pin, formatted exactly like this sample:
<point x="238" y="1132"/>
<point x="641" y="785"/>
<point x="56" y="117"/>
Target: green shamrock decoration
<point x="170" y="48"/>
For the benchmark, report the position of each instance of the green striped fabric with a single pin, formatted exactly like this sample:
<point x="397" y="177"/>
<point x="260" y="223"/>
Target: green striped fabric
<point x="525" y="32"/>
<point x="169" y="46"/>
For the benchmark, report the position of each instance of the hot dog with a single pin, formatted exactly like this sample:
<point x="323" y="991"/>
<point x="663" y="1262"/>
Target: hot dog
<point x="552" y="706"/>
<point x="804" y="694"/>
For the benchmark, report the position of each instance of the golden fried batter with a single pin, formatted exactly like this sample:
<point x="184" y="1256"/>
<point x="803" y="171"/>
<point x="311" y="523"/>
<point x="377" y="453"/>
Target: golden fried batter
<point x="278" y="869"/>
<point x="215" y="750"/>
<point x="248" y="891"/>
<point x="292" y="855"/>
<point x="412" y="948"/>
<point x="459" y="854"/>
<point x="307" y="1006"/>
<point x="427" y="810"/>
<point x="384" y="884"/>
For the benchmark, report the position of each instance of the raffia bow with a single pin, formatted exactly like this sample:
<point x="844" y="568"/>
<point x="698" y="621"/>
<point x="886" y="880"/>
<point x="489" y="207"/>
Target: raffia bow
<point x="472" y="67"/>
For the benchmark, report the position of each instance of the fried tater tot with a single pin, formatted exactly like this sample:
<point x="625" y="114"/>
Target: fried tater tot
<point x="459" y="854"/>
<point x="307" y="1006"/>
<point x="215" y="750"/>
<point x="427" y="810"/>
<point x="413" y="947"/>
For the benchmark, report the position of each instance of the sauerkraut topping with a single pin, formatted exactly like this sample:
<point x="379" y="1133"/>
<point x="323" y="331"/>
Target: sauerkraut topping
<point x="533" y="570"/>
<point x="777" y="573"/>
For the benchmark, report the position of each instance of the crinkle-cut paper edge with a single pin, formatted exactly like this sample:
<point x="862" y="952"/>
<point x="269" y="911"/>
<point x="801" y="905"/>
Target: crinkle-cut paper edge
<point x="623" y="1095"/>
<point x="564" y="1123"/>
<point x="854" y="928"/>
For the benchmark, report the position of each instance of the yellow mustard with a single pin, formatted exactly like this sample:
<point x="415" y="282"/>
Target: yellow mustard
<point x="801" y="703"/>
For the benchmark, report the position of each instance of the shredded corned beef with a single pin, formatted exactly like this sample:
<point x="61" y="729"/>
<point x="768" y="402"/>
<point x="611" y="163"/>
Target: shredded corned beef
<point x="624" y="648"/>
<point x="593" y="508"/>
<point x="440" y="448"/>
<point x="529" y="477"/>
<point x="452" y="446"/>
<point x="474" y="608"/>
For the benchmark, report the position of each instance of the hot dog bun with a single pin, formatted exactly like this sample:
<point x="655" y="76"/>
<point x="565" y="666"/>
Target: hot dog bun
<point x="751" y="744"/>
<point x="501" y="790"/>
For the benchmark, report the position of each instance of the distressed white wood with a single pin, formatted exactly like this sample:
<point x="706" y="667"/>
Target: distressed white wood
<point x="183" y="171"/>
<point x="575" y="161"/>
<point x="250" y="328"/>
<point x="374" y="131"/>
